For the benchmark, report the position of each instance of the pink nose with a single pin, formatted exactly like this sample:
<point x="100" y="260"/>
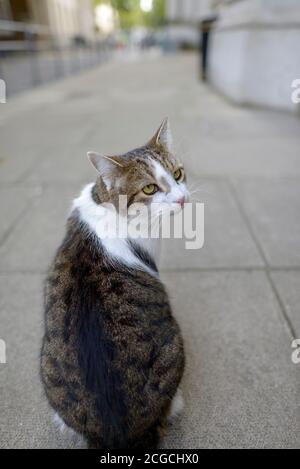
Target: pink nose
<point x="181" y="201"/>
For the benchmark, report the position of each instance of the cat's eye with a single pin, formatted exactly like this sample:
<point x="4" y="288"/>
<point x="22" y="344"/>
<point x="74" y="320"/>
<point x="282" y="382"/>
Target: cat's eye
<point x="151" y="189"/>
<point x="178" y="175"/>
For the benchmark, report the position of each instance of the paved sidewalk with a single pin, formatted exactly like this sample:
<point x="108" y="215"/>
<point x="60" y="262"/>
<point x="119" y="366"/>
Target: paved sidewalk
<point x="237" y="300"/>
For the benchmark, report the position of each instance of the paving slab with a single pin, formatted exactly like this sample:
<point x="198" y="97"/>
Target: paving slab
<point x="273" y="208"/>
<point x="38" y="138"/>
<point x="64" y="166"/>
<point x="25" y="417"/>
<point x="14" y="200"/>
<point x="245" y="158"/>
<point x="240" y="386"/>
<point x="32" y="244"/>
<point x="91" y="109"/>
<point x="288" y="286"/>
<point x="227" y="242"/>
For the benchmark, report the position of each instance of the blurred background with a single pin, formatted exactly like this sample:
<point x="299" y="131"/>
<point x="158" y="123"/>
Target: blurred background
<point x="101" y="75"/>
<point x="43" y="40"/>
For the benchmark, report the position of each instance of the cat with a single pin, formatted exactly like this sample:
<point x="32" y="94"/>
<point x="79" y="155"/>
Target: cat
<point x="112" y="356"/>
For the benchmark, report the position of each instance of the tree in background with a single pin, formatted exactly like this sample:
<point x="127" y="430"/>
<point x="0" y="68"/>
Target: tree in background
<point x="157" y="16"/>
<point x="131" y="14"/>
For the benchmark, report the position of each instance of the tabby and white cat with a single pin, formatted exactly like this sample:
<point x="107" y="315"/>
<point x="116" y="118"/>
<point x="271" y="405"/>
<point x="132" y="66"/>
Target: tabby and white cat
<point x="112" y="356"/>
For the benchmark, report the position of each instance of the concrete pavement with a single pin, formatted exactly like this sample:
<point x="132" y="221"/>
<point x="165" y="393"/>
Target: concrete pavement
<point x="237" y="299"/>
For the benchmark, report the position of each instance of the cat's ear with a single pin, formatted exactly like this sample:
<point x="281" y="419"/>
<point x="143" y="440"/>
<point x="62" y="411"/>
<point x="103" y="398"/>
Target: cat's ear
<point x="105" y="165"/>
<point x="163" y="136"/>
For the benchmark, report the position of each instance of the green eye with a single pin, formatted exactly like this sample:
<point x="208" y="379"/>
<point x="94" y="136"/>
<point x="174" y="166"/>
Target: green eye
<point x="178" y="175"/>
<point x="150" y="189"/>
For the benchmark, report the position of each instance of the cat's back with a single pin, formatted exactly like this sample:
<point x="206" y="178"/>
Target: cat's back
<point x="112" y="352"/>
<point x="83" y="276"/>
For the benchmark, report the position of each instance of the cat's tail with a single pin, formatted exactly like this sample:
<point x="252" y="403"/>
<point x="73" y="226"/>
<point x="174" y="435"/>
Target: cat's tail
<point x="101" y="376"/>
<point x="149" y="440"/>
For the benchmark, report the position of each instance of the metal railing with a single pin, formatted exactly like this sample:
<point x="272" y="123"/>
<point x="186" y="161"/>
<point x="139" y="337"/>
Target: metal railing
<point x="38" y="57"/>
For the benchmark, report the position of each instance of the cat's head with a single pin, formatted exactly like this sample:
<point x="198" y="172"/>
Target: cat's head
<point x="149" y="174"/>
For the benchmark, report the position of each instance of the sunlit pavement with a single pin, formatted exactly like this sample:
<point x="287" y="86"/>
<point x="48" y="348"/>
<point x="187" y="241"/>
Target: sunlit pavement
<point x="237" y="299"/>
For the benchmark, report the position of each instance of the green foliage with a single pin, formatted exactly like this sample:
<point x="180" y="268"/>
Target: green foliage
<point x="129" y="12"/>
<point x="156" y="17"/>
<point x="131" y="15"/>
<point x="125" y="6"/>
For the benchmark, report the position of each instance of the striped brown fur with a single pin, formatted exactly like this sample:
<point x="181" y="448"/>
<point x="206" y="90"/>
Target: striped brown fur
<point x="112" y="355"/>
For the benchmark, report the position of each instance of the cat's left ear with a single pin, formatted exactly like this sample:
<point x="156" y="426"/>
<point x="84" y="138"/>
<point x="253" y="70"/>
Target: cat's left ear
<point x="163" y="136"/>
<point x="105" y="165"/>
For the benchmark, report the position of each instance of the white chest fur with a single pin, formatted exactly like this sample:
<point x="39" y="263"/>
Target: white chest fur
<point x="118" y="249"/>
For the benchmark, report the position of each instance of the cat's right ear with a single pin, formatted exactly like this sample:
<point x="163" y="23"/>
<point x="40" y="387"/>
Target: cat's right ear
<point x="105" y="165"/>
<point x="163" y="136"/>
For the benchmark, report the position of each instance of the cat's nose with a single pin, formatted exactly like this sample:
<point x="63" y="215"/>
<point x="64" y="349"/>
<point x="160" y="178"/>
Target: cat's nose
<point x="181" y="201"/>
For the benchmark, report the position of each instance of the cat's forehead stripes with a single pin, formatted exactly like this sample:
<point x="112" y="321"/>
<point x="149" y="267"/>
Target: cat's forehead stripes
<point x="165" y="159"/>
<point x="153" y="163"/>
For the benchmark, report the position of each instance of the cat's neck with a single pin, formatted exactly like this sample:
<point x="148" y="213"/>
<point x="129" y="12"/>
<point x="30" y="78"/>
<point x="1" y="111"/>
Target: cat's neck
<point x="141" y="253"/>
